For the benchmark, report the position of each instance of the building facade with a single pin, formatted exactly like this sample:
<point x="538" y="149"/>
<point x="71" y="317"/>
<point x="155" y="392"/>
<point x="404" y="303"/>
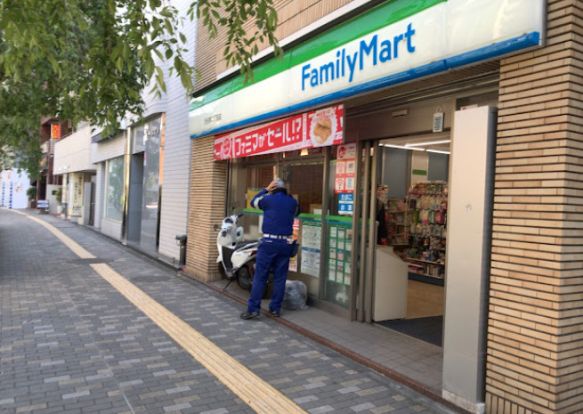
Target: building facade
<point x="156" y="159"/>
<point x="73" y="163"/>
<point x="132" y="185"/>
<point x="48" y="183"/>
<point x="108" y="157"/>
<point x="433" y="148"/>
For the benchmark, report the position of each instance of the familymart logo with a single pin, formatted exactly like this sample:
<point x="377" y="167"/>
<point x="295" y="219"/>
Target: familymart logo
<point x="368" y="53"/>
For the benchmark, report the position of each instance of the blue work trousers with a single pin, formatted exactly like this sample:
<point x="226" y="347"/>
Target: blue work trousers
<point x="271" y="255"/>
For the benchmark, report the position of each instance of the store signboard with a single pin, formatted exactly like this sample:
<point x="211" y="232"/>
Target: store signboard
<point x="320" y="128"/>
<point x="395" y="42"/>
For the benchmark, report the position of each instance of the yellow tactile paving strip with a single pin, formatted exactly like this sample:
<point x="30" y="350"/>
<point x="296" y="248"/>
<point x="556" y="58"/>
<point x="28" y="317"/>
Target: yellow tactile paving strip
<point x="67" y="241"/>
<point x="254" y="391"/>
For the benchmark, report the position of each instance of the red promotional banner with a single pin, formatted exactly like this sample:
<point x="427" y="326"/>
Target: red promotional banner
<point x="320" y="128"/>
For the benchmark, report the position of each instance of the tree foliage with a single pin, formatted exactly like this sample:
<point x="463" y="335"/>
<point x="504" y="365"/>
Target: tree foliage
<point x="91" y="60"/>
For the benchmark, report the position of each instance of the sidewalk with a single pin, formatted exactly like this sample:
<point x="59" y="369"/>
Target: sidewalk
<point x="383" y="348"/>
<point x="71" y="343"/>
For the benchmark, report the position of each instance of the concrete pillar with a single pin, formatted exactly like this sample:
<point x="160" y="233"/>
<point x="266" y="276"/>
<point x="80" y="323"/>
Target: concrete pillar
<point x="468" y="255"/>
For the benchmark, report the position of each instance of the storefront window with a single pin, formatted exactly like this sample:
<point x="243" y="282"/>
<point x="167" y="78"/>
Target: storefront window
<point x="338" y="252"/>
<point x="114" y="189"/>
<point x="145" y="184"/>
<point x="411" y="231"/>
<point x="151" y="184"/>
<point x="414" y="221"/>
<point x="325" y="239"/>
<point x="304" y="175"/>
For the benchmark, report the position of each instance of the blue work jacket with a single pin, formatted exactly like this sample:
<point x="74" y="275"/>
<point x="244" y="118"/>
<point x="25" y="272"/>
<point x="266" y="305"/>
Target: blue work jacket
<point x="279" y="211"/>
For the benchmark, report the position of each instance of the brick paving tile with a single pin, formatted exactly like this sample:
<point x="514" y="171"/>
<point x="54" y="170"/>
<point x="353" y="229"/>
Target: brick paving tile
<point x="65" y="332"/>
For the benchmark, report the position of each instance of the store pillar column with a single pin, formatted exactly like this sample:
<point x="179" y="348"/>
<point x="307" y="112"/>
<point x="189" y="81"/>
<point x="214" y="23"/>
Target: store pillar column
<point x="468" y="257"/>
<point x="535" y="329"/>
<point x="206" y="207"/>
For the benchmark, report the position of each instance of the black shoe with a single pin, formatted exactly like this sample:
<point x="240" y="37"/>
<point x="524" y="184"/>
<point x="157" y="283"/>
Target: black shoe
<point x="249" y="315"/>
<point x="275" y="313"/>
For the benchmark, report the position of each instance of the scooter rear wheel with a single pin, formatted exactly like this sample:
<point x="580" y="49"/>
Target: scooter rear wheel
<point x="245" y="278"/>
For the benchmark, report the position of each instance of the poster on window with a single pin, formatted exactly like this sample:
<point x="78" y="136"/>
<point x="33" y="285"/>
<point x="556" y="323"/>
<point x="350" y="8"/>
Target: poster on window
<point x="311" y="239"/>
<point x="345" y="168"/>
<point x="339" y="253"/>
<point x="311" y="262"/>
<point x="346" y="204"/>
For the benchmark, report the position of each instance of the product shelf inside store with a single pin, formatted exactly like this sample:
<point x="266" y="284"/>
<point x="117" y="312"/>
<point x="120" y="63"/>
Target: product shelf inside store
<point x="420" y="277"/>
<point x="425" y="261"/>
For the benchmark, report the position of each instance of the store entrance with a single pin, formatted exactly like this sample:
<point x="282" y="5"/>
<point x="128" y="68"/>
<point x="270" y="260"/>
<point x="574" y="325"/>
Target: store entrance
<point x="410" y="187"/>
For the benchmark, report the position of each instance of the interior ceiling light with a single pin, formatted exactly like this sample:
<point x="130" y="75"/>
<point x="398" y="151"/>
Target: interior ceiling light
<point x="424" y="144"/>
<point x="403" y="147"/>
<point x="439" y="151"/>
<point x="303" y="152"/>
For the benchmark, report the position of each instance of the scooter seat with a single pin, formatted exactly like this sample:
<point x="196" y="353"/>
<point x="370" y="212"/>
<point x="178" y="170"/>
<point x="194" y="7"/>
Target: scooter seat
<point x="243" y="244"/>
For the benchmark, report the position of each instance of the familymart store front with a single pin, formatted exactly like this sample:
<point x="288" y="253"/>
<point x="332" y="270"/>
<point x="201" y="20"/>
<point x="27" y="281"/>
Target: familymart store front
<point x="394" y="182"/>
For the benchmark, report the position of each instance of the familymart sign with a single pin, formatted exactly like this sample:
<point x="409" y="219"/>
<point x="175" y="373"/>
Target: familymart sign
<point x="395" y="42"/>
<point x="370" y="52"/>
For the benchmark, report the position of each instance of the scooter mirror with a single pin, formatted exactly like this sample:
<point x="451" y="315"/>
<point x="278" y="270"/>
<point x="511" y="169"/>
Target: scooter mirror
<point x="240" y="215"/>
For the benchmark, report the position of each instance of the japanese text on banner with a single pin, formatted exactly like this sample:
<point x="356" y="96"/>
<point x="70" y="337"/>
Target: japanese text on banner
<point x="323" y="127"/>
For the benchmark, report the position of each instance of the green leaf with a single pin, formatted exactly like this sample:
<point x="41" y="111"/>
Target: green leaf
<point x="91" y="60"/>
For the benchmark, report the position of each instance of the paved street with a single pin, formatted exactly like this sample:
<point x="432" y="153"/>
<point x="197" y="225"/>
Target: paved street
<point x="70" y="342"/>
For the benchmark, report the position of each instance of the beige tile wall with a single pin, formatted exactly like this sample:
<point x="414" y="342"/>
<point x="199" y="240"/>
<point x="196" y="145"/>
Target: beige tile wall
<point x="535" y="336"/>
<point x="292" y="14"/>
<point x="207" y="199"/>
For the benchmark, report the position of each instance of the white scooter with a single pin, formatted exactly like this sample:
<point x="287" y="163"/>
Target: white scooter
<point x="236" y="257"/>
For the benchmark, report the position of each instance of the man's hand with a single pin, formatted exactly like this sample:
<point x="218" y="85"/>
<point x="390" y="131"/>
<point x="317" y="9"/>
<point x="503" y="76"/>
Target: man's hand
<point x="272" y="186"/>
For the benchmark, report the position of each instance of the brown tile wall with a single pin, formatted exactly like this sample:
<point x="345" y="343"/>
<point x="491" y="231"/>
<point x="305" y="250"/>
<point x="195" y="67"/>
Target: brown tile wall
<point x="293" y="15"/>
<point x="207" y="199"/>
<point x="535" y="330"/>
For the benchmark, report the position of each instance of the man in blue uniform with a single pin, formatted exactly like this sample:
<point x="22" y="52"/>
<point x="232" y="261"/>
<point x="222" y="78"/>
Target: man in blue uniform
<point x="279" y="210"/>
